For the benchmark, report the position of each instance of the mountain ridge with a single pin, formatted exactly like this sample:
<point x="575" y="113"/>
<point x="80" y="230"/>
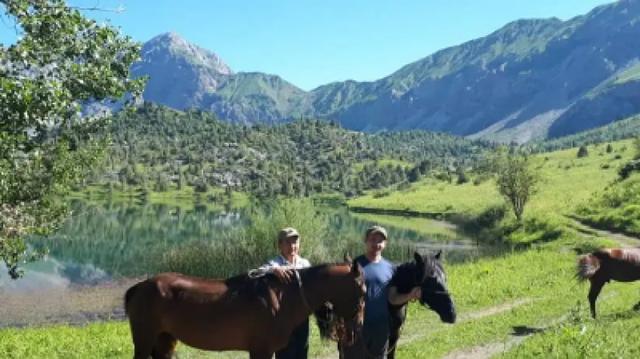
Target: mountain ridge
<point x="529" y="79"/>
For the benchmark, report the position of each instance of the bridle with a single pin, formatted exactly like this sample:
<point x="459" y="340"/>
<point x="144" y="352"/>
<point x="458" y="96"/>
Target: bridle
<point x="343" y="319"/>
<point x="301" y="290"/>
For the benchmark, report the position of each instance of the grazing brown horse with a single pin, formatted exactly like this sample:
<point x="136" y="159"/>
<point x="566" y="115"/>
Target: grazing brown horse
<point x="241" y="313"/>
<point x="601" y="266"/>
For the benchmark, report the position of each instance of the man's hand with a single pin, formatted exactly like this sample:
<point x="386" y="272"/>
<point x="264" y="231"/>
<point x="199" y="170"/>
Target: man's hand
<point x="285" y="275"/>
<point x="396" y="298"/>
<point x="415" y="294"/>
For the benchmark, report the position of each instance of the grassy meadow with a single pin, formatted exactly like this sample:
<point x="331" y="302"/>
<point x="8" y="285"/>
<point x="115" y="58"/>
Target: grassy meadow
<point x="567" y="182"/>
<point x="517" y="304"/>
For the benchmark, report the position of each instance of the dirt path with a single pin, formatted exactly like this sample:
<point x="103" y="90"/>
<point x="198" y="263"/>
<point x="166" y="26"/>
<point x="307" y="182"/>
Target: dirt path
<point x="488" y="350"/>
<point x="587" y="230"/>
<point x="519" y="335"/>
<point x="73" y="305"/>
<point x="405" y="338"/>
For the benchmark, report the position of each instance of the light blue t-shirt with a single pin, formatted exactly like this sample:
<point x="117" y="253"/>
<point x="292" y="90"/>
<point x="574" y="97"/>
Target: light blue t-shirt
<point x="377" y="277"/>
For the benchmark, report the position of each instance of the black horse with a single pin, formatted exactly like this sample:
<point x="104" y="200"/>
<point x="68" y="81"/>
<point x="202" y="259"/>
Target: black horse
<point x="424" y="272"/>
<point x="428" y="274"/>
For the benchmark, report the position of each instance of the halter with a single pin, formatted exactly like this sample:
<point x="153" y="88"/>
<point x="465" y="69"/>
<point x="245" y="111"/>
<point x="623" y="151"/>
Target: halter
<point x="301" y="290"/>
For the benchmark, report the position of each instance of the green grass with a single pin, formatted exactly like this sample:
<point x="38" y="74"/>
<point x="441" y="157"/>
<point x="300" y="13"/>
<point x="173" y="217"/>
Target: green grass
<point x="612" y="335"/>
<point x="423" y="226"/>
<point x="568" y="181"/>
<point x="542" y="277"/>
<point x="433" y="196"/>
<point x="617" y="207"/>
<point x="631" y="73"/>
<point x="104" y="340"/>
<point x="531" y="290"/>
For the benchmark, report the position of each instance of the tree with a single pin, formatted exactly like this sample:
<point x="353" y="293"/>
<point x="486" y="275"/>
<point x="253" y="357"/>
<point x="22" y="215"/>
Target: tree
<point x="61" y="61"/>
<point x="583" y="152"/>
<point x="516" y="180"/>
<point x="636" y="146"/>
<point x="462" y="176"/>
<point x="609" y="148"/>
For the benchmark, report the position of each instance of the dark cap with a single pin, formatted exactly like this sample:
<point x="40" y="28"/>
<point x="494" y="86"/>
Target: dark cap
<point x="287" y="232"/>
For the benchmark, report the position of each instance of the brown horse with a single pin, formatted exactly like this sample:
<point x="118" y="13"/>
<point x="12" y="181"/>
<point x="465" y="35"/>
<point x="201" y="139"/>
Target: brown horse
<point x="241" y="313"/>
<point x="620" y="264"/>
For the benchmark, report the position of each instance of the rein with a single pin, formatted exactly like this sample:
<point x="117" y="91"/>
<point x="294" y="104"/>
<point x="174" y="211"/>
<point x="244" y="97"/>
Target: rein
<point x="261" y="272"/>
<point x="301" y="290"/>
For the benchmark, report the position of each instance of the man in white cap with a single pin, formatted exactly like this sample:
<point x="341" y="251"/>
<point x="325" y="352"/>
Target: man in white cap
<point x="280" y="266"/>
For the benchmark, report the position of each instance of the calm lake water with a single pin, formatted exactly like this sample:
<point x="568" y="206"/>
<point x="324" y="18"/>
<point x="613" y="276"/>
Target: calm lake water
<point x="102" y="249"/>
<point x="100" y="243"/>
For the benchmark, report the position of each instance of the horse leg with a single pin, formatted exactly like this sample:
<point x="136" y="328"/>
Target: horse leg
<point x="594" y="291"/>
<point x="393" y="340"/>
<point x="142" y="339"/>
<point x="394" y="335"/>
<point x="397" y="316"/>
<point x="142" y="347"/>
<point x="164" y="347"/>
<point x="636" y="306"/>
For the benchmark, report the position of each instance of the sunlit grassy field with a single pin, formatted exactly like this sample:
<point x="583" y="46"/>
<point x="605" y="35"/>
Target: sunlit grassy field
<point x="529" y="289"/>
<point x="567" y="182"/>
<point x="524" y="303"/>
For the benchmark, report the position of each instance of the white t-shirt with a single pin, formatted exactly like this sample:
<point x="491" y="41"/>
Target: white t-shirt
<point x="280" y="261"/>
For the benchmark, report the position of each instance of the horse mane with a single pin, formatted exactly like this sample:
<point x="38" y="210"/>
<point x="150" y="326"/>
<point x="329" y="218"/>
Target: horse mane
<point x="630" y="255"/>
<point x="404" y="275"/>
<point x="327" y="321"/>
<point x="267" y="289"/>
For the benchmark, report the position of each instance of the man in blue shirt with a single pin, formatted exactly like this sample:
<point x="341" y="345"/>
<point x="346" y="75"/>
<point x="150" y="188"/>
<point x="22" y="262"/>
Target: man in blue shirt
<point x="374" y="338"/>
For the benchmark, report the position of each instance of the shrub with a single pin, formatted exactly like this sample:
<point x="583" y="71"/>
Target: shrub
<point x="583" y="152"/>
<point x="627" y="169"/>
<point x="200" y="187"/>
<point x="609" y="148"/>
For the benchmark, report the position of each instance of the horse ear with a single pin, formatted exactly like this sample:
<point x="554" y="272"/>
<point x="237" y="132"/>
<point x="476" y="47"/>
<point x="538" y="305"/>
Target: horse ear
<point x="417" y="257"/>
<point x="347" y="258"/>
<point x="437" y="256"/>
<point x="356" y="269"/>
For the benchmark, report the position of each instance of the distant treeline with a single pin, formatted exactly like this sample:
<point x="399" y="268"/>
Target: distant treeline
<point x="158" y="149"/>
<point x="619" y="130"/>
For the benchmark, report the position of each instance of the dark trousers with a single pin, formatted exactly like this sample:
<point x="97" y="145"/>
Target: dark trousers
<point x="298" y="345"/>
<point x="372" y="343"/>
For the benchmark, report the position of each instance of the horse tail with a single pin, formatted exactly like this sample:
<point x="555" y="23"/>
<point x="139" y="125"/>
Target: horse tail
<point x="128" y="295"/>
<point x="588" y="265"/>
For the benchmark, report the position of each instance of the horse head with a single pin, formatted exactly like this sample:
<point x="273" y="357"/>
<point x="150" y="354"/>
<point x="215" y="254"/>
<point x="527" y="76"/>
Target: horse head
<point x="342" y="317"/>
<point x="431" y="278"/>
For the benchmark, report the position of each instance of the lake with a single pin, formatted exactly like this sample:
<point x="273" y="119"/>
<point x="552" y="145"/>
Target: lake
<point x="101" y="247"/>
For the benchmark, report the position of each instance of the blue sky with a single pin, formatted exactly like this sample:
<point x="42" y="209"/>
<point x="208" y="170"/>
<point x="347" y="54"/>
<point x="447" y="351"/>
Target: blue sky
<point x="314" y="42"/>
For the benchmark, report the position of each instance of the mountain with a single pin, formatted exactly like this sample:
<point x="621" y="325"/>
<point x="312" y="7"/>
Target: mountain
<point x="531" y="79"/>
<point x="184" y="76"/>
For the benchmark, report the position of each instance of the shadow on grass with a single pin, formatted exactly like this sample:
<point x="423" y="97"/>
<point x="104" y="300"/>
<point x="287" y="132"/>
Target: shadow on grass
<point x="523" y="330"/>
